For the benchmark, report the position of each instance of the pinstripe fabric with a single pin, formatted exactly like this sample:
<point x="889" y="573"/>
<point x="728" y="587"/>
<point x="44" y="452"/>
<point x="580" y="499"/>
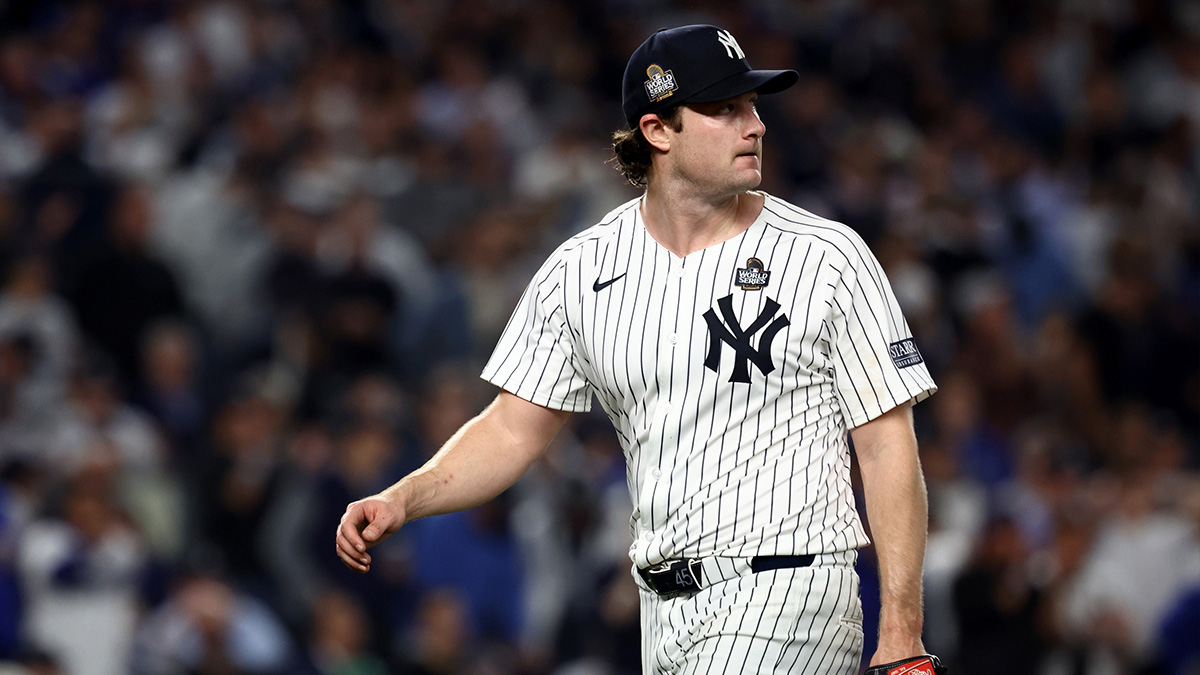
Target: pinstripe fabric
<point x="716" y="464"/>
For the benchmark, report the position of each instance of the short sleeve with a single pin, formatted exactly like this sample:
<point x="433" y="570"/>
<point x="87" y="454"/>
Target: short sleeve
<point x="877" y="365"/>
<point x="536" y="358"/>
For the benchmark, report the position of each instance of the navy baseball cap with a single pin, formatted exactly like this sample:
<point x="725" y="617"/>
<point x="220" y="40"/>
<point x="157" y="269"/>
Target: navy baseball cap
<point x="692" y="64"/>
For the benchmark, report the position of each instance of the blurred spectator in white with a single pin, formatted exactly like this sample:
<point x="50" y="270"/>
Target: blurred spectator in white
<point x="1142" y="562"/>
<point x="207" y="229"/>
<point x="29" y="307"/>
<point x="438" y="200"/>
<point x="39" y="343"/>
<point x="100" y="430"/>
<point x="571" y="519"/>
<point x="132" y="130"/>
<point x="208" y="627"/>
<point x="81" y="575"/>
<point x="492" y="257"/>
<point x="465" y="93"/>
<point x="569" y="173"/>
<point x="19" y="150"/>
<point x="958" y="511"/>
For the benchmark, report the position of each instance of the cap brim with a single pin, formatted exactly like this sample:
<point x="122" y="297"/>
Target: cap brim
<point x="762" y="81"/>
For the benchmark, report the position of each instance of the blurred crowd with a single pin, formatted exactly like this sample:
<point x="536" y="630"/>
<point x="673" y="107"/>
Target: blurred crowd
<point x="253" y="255"/>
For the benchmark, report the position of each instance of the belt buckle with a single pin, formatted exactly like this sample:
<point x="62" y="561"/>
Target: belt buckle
<point x="673" y="578"/>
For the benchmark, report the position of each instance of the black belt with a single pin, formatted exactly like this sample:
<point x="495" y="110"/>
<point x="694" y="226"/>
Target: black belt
<point x="677" y="577"/>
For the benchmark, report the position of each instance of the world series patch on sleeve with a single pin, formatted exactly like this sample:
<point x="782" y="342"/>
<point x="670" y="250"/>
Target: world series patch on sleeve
<point x="926" y="664"/>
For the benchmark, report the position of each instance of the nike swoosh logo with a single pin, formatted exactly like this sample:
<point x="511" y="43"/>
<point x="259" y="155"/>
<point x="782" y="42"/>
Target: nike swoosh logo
<point x="597" y="286"/>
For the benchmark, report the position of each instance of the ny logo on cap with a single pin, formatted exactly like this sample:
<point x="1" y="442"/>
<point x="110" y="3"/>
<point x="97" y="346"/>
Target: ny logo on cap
<point x="730" y="45"/>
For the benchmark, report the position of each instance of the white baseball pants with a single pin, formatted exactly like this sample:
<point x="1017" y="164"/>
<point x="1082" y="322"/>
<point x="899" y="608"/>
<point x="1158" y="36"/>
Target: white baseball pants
<point x="803" y="621"/>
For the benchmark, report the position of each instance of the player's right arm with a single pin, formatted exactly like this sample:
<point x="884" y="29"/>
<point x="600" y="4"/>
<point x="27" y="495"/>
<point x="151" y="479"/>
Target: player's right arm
<point x="484" y="458"/>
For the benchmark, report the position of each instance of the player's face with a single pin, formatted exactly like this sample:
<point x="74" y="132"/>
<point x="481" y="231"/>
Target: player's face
<point x="719" y="147"/>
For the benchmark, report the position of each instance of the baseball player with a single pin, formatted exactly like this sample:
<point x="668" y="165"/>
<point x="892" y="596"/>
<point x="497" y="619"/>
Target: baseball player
<point x="735" y="341"/>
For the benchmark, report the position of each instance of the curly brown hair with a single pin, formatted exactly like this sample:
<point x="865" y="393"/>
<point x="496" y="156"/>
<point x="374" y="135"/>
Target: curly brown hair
<point x="632" y="153"/>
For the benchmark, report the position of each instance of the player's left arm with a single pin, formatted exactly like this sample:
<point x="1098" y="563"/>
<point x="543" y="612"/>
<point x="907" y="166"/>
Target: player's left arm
<point x="897" y="511"/>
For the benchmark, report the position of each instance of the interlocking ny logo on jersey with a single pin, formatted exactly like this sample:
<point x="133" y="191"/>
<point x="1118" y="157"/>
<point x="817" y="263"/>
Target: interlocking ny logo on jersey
<point x="731" y="332"/>
<point x="730" y="45"/>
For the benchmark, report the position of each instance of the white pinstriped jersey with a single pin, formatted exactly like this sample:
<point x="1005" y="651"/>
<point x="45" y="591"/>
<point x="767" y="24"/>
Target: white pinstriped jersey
<point x="731" y="375"/>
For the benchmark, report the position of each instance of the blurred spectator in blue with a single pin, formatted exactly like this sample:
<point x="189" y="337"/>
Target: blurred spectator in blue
<point x="440" y="639"/>
<point x="206" y="626"/>
<point x="1180" y="649"/>
<point x="170" y="389"/>
<point x="18" y="493"/>
<point x="474" y="551"/>
<point x="338" y="638"/>
<point x="1018" y="102"/>
<point x="982" y="450"/>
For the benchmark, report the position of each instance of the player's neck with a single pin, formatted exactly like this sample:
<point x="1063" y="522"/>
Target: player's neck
<point x="684" y="224"/>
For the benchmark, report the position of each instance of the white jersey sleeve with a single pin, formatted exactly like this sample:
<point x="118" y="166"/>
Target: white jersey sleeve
<point x="876" y="364"/>
<point x="536" y="358"/>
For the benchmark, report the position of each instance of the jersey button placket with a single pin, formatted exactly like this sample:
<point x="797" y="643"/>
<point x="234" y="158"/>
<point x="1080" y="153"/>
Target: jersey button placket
<point x="663" y="435"/>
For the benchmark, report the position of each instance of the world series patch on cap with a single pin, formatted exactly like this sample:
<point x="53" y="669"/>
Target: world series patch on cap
<point x="926" y="664"/>
<point x="692" y="64"/>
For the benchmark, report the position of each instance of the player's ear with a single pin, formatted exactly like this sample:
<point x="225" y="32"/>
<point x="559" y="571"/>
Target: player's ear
<point x="655" y="131"/>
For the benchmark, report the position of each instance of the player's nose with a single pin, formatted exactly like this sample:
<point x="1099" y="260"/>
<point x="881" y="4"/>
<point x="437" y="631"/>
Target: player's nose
<point x="755" y="128"/>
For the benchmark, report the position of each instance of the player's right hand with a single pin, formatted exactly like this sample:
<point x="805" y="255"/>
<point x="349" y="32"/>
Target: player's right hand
<point x="365" y="523"/>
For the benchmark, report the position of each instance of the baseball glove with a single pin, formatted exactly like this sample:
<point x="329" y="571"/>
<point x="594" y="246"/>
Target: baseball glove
<point x="926" y="664"/>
